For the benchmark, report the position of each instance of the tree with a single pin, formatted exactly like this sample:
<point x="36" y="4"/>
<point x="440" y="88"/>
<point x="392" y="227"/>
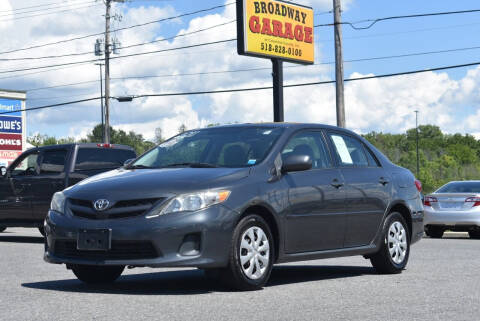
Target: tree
<point x="158" y="136"/>
<point x="182" y="128"/>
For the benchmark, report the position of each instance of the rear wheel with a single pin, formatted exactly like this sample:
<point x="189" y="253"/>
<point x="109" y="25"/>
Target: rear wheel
<point x="474" y="234"/>
<point x="251" y="255"/>
<point x="395" y="248"/>
<point x="2" y="228"/>
<point x="434" y="232"/>
<point x="97" y="274"/>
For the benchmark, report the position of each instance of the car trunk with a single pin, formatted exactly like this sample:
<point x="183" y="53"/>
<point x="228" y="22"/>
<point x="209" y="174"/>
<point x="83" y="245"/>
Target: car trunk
<point x="453" y="201"/>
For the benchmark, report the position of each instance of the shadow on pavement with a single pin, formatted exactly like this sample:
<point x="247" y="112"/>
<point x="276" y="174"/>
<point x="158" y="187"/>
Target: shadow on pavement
<point x="194" y="281"/>
<point x="20" y="239"/>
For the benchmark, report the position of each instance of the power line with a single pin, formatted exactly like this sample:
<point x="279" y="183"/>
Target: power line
<point x="45" y="5"/>
<point x="125" y="47"/>
<point x="258" y="69"/>
<point x="65" y="5"/>
<point x="119" y="29"/>
<point x="49" y="13"/>
<point x="374" y="21"/>
<point x="259" y="88"/>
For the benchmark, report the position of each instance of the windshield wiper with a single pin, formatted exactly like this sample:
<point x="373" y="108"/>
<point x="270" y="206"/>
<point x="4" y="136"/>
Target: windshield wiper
<point x="138" y="167"/>
<point x="193" y="165"/>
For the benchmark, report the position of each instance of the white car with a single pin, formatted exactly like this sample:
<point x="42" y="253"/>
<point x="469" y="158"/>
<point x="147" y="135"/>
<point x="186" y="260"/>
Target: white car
<point x="456" y="207"/>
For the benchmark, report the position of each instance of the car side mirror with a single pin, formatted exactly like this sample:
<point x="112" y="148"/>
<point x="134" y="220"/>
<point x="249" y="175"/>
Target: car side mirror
<point x="296" y="163"/>
<point x="3" y="171"/>
<point x="128" y="162"/>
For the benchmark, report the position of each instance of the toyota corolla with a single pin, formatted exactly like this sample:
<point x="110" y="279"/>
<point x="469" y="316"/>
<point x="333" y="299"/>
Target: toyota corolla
<point x="234" y="200"/>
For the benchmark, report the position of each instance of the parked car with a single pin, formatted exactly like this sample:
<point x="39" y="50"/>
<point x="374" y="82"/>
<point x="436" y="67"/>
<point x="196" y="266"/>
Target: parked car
<point x="27" y="185"/>
<point x="456" y="207"/>
<point x="234" y="200"/>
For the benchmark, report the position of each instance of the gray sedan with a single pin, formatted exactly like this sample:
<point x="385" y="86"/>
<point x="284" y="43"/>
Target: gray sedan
<point x="455" y="207"/>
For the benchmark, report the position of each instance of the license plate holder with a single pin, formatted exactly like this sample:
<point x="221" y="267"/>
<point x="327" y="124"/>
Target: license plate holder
<point x="94" y="240"/>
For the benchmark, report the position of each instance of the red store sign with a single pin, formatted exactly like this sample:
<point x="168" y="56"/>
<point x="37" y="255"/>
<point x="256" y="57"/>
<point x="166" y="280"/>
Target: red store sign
<point x="10" y="142"/>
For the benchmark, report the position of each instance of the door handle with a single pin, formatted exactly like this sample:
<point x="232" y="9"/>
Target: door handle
<point x="383" y="181"/>
<point x="336" y="183"/>
<point x="24" y="185"/>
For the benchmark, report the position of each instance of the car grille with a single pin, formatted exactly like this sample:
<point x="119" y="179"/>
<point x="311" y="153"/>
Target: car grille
<point x="120" y="209"/>
<point x="120" y="250"/>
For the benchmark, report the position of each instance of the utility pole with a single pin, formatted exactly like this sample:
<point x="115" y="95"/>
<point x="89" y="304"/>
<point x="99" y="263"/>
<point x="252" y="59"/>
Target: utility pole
<point x="101" y="103"/>
<point x="416" y="129"/>
<point x="107" y="73"/>
<point x="277" y="73"/>
<point x="340" y="98"/>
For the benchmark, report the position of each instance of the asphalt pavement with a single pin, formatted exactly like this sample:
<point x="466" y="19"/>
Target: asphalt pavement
<point x="442" y="282"/>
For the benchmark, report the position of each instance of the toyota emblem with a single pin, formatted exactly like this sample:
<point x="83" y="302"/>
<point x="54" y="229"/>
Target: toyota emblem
<point x="101" y="204"/>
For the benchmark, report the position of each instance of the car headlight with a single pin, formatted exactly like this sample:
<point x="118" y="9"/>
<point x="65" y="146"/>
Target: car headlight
<point x="192" y="202"/>
<point x="58" y="202"/>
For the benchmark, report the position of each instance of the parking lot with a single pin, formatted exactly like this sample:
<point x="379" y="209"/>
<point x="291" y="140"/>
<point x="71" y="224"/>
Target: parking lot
<point x="442" y="282"/>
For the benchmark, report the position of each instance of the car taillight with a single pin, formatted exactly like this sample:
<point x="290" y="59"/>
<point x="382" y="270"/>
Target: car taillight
<point x="429" y="200"/>
<point x="418" y="185"/>
<point x="474" y="200"/>
<point x="105" y="145"/>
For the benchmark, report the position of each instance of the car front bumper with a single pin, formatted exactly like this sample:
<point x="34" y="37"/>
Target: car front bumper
<point x="196" y="239"/>
<point x="452" y="218"/>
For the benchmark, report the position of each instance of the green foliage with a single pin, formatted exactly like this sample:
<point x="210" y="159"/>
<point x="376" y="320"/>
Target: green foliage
<point x="442" y="157"/>
<point x="117" y="137"/>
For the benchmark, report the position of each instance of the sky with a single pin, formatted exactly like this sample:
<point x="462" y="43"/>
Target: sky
<point x="449" y="99"/>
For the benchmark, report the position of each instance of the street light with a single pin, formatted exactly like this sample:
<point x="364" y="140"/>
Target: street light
<point x="416" y="129"/>
<point x="123" y="99"/>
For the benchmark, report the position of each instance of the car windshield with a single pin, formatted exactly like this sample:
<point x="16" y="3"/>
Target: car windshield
<point x="212" y="147"/>
<point x="460" y="187"/>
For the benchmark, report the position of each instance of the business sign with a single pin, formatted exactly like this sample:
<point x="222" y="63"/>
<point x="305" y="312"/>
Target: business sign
<point x="10" y="142"/>
<point x="12" y="126"/>
<point x="275" y="29"/>
<point x="10" y="107"/>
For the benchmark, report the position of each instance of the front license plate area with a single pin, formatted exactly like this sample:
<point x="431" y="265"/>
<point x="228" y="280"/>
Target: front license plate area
<point x="94" y="240"/>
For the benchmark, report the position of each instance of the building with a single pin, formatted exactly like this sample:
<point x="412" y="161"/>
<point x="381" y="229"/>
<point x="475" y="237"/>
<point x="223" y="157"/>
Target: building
<point x="13" y="132"/>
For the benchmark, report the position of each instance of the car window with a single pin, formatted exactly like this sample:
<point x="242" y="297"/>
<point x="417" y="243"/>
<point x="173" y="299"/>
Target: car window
<point x="372" y="160"/>
<point x="232" y="147"/>
<point x="53" y="161"/>
<point x="349" y="150"/>
<point x="308" y="143"/>
<point x="102" y="158"/>
<point x="27" y="166"/>
<point x="460" y="187"/>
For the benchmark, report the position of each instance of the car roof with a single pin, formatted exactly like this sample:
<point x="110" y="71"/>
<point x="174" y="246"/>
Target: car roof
<point x="83" y="145"/>
<point x="285" y="125"/>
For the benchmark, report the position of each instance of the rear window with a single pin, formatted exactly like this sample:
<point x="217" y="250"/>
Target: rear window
<point x="102" y="158"/>
<point x="460" y="187"/>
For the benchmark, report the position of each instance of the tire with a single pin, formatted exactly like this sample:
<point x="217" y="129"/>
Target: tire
<point x="434" y="232"/>
<point x="92" y="274"/>
<point x="255" y="272"/>
<point x="474" y="234"/>
<point x="2" y="229"/>
<point x="394" y="251"/>
<point x="42" y="230"/>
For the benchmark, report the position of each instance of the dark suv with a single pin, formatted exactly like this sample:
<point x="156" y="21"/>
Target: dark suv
<point x="27" y="186"/>
<point x="234" y="200"/>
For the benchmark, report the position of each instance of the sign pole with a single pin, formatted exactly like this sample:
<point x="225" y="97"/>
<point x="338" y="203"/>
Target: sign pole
<point x="277" y="74"/>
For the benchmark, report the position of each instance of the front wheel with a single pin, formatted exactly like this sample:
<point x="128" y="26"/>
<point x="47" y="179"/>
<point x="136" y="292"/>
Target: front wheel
<point x="395" y="248"/>
<point x="251" y="255"/>
<point x="474" y="234"/>
<point x="2" y="228"/>
<point x="92" y="274"/>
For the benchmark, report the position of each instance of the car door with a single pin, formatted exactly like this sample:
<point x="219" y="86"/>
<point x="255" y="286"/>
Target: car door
<point x="51" y="179"/>
<point x="366" y="185"/>
<point x="15" y="194"/>
<point x="316" y="209"/>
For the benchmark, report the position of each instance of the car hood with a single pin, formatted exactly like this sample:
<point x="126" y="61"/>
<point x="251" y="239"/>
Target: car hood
<point x="151" y="183"/>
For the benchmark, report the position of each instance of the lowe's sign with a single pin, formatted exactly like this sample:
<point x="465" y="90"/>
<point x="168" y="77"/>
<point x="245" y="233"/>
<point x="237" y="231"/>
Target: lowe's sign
<point x="12" y="126"/>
